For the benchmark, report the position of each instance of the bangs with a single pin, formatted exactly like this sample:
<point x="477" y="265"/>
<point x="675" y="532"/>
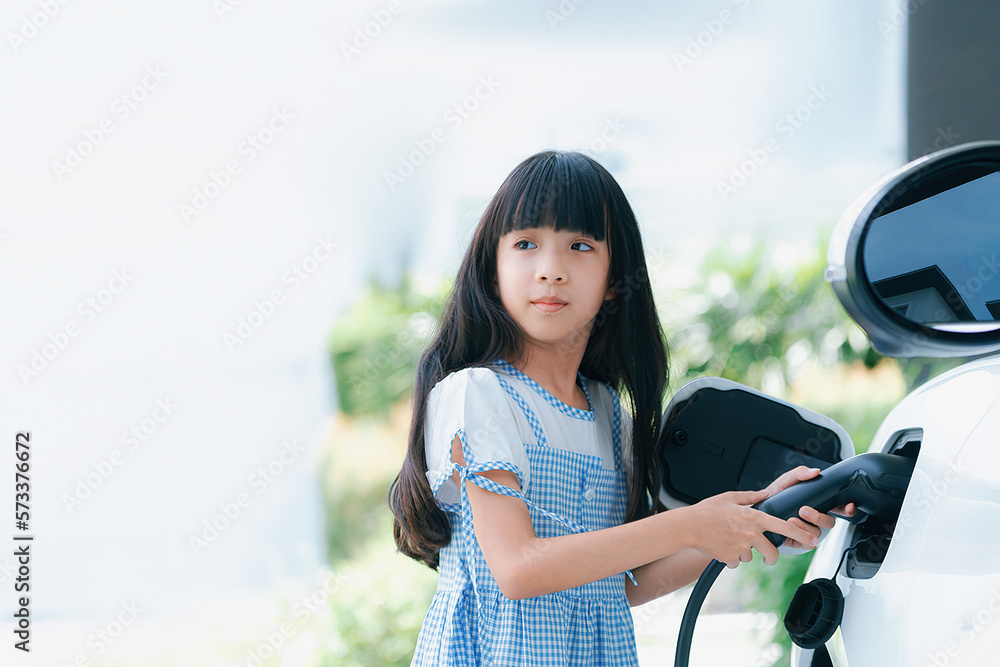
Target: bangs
<point x="562" y="191"/>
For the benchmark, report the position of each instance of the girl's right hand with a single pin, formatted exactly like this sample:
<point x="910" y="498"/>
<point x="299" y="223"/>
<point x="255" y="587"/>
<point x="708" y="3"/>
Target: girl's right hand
<point x="727" y="528"/>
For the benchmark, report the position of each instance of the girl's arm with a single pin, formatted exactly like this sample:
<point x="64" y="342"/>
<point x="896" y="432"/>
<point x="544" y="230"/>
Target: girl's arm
<point x="724" y="527"/>
<point x="675" y="571"/>
<point x="666" y="575"/>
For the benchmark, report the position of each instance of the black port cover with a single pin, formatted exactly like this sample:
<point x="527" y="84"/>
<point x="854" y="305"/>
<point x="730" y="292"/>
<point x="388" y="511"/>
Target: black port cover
<point x="734" y="440"/>
<point x="815" y="613"/>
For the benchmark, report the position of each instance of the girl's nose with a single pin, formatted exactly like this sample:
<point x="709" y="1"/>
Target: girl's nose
<point x="551" y="271"/>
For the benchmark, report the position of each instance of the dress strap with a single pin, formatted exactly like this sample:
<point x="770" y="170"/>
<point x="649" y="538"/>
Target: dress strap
<point x="616" y="436"/>
<point x="529" y="414"/>
<point x="568" y="410"/>
<point x="616" y="425"/>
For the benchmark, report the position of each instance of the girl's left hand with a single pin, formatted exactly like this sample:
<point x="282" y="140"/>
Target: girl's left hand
<point x="811" y="521"/>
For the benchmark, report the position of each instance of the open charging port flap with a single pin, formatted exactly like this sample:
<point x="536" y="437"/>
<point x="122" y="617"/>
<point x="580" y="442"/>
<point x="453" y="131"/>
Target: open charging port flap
<point x="719" y="436"/>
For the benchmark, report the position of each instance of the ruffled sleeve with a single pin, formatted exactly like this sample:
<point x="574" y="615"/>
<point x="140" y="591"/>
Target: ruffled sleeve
<point x="471" y="403"/>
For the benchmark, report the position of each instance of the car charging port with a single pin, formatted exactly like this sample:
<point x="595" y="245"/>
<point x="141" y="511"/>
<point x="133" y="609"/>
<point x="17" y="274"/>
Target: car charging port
<point x="871" y="538"/>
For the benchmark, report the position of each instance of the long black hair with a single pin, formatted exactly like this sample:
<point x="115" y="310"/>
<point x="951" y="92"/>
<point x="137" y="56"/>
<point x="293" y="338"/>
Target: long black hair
<point x="626" y="348"/>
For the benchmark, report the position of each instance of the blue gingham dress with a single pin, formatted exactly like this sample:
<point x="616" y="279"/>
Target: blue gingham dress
<point x="470" y="622"/>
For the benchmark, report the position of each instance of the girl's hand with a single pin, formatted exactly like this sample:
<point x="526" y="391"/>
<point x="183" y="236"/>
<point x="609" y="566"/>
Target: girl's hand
<point x="811" y="521"/>
<point x="727" y="528"/>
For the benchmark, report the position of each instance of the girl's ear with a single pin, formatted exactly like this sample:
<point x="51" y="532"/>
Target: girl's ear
<point x="610" y="294"/>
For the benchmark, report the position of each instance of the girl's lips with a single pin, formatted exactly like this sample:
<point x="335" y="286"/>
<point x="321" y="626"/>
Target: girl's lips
<point x="548" y="306"/>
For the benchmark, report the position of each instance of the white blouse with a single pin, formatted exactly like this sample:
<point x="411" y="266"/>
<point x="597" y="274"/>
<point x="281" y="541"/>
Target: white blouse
<point x="472" y="402"/>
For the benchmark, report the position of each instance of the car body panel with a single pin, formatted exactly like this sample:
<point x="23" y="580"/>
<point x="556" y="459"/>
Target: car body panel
<point x="935" y="600"/>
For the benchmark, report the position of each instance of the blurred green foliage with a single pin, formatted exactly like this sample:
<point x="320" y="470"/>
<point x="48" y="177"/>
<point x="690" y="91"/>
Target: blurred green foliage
<point x="375" y="346"/>
<point x="374" y="350"/>
<point x="756" y="320"/>
<point x="378" y="611"/>
<point x="354" y="510"/>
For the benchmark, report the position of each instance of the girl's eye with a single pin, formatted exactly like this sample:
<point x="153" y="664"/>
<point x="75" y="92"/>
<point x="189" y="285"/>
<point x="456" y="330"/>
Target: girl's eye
<point x="524" y="245"/>
<point x="580" y="245"/>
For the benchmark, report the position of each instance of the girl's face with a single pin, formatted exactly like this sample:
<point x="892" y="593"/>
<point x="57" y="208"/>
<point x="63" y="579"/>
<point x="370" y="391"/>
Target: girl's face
<point x="553" y="283"/>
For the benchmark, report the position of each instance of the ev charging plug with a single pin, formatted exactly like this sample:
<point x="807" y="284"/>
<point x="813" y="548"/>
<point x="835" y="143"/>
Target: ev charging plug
<point x="876" y="483"/>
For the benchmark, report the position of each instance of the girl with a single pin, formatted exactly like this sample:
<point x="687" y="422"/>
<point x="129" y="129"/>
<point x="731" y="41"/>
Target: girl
<point x="527" y="482"/>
